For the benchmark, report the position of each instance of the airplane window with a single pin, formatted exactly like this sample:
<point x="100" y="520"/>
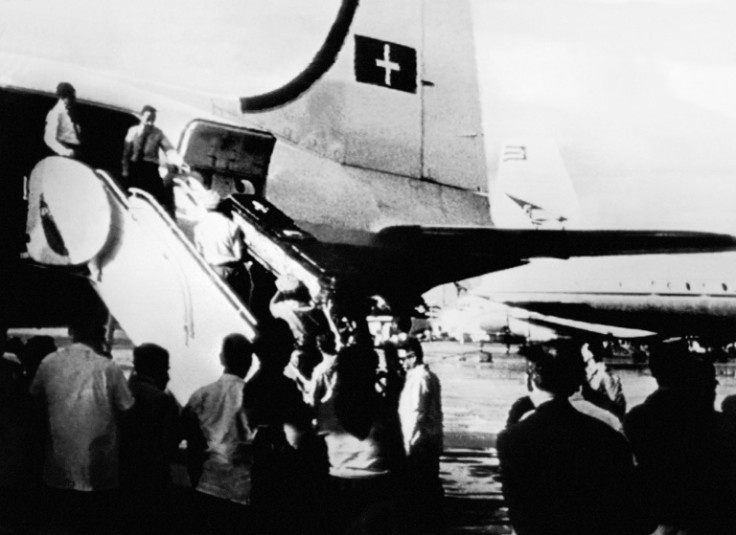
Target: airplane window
<point x="687" y="285"/>
<point x="724" y="286"/>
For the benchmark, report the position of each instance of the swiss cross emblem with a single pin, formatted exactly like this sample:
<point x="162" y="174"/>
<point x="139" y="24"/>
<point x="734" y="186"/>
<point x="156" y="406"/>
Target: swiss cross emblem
<point x="385" y="64"/>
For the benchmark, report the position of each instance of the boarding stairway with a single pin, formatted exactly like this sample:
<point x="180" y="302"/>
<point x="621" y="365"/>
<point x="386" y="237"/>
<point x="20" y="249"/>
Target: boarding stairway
<point x="151" y="278"/>
<point x="161" y="290"/>
<point x="147" y="271"/>
<point x="144" y="266"/>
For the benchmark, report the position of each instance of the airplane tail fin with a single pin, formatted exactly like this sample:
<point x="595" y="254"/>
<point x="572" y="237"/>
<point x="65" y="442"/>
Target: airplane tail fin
<point x="533" y="188"/>
<point x="400" y="97"/>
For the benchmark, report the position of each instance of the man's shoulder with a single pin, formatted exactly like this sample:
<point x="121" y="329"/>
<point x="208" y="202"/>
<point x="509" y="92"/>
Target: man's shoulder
<point x="200" y="392"/>
<point x="206" y="391"/>
<point x="424" y="373"/>
<point x="51" y="361"/>
<point x="564" y="425"/>
<point x="559" y="415"/>
<point x="55" y="109"/>
<point x="144" y="387"/>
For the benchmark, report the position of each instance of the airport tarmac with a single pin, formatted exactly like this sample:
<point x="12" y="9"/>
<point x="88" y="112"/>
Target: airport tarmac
<point x="477" y="393"/>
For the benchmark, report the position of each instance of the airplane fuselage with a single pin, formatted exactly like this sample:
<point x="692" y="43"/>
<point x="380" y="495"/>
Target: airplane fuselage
<point x="676" y="295"/>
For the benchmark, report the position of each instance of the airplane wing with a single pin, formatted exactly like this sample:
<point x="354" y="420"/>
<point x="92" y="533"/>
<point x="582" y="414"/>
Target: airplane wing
<point x="402" y="262"/>
<point x="571" y="328"/>
<point x="421" y="257"/>
<point x="522" y="244"/>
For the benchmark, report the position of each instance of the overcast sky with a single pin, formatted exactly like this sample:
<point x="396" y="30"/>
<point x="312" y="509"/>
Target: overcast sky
<point x="640" y="97"/>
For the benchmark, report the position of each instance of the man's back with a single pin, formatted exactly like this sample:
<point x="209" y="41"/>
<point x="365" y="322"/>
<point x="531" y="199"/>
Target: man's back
<point x="217" y="238"/>
<point x="216" y="410"/>
<point x="82" y="393"/>
<point x="566" y="472"/>
<point x="151" y="434"/>
<point x="684" y="451"/>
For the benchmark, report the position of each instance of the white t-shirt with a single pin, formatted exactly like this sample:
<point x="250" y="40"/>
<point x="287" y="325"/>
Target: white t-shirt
<point x="218" y="239"/>
<point x="83" y="393"/>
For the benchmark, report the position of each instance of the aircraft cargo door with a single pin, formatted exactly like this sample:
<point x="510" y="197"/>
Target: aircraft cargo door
<point x="229" y="159"/>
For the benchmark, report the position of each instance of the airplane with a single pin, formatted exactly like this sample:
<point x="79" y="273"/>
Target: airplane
<point x="643" y="115"/>
<point x="635" y="297"/>
<point x="625" y="297"/>
<point x="358" y="126"/>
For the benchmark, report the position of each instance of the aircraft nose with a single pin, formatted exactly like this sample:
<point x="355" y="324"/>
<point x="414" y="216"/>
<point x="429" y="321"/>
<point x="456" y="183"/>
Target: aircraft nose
<point x="69" y="214"/>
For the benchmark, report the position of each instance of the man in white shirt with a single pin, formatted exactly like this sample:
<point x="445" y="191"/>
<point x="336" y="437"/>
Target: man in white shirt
<point x="82" y="394"/>
<point x="219" y="441"/>
<point x="63" y="133"/>
<point x="220" y="241"/>
<point x="420" y="412"/>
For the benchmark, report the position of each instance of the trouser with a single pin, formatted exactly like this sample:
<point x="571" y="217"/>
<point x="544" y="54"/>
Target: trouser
<point x="423" y="495"/>
<point x="84" y="513"/>
<point x="369" y="506"/>
<point x="223" y="517"/>
<point x="145" y="176"/>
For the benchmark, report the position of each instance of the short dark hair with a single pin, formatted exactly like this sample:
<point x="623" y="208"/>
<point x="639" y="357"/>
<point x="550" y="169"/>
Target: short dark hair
<point x="275" y="343"/>
<point x="148" y="107"/>
<point x="412" y="345"/>
<point x="150" y="359"/>
<point x="65" y="90"/>
<point x="556" y="367"/>
<point x="596" y="350"/>
<point x="668" y="362"/>
<point x="88" y="331"/>
<point x="237" y="353"/>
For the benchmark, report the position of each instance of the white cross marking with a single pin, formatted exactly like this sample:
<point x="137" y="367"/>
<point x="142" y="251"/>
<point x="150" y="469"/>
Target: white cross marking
<point x="387" y="64"/>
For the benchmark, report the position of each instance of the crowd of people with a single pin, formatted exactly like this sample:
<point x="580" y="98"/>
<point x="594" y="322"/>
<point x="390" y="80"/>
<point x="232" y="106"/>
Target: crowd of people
<point x="574" y="462"/>
<point x="86" y="450"/>
<point x="351" y="444"/>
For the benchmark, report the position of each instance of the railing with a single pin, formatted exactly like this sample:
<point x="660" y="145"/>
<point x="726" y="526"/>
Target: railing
<point x="174" y="230"/>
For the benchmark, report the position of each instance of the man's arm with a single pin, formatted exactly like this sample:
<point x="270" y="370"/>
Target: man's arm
<point x="196" y="444"/>
<point x="410" y="412"/>
<point x="172" y="156"/>
<point x="122" y="397"/>
<point x="127" y="153"/>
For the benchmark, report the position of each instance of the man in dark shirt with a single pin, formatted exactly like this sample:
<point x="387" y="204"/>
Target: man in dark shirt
<point x="683" y="447"/>
<point x="149" y="441"/>
<point x="565" y="472"/>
